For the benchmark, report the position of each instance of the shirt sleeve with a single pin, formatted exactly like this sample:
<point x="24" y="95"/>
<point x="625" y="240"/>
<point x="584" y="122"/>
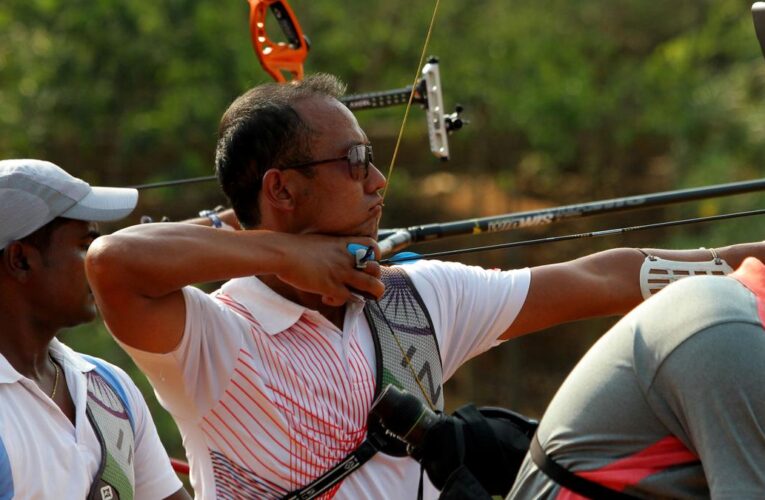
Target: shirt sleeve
<point x="710" y="393"/>
<point x="470" y="306"/>
<point x="189" y="380"/>
<point x="154" y="476"/>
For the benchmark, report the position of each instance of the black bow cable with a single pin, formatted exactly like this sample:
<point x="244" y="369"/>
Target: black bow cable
<point x="553" y="239"/>
<point x="178" y="182"/>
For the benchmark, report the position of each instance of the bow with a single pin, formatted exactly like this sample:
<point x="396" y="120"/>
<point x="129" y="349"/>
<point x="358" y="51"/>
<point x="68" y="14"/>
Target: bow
<point x="427" y="91"/>
<point x="280" y="58"/>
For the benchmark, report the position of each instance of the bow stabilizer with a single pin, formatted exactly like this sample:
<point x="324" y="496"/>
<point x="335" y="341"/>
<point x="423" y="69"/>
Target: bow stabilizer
<point x="393" y="240"/>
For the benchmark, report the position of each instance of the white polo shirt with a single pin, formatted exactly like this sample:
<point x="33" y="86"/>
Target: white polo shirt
<point x="43" y="456"/>
<point x="268" y="394"/>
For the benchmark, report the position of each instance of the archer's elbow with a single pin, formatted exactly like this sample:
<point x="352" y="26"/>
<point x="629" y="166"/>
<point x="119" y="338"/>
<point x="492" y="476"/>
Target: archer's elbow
<point x="106" y="263"/>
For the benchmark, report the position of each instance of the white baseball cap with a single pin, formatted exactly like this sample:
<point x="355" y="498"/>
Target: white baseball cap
<point x="34" y="192"/>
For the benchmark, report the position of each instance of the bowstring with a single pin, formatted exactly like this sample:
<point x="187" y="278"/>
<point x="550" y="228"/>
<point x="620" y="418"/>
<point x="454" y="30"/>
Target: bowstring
<point x="385" y="190"/>
<point x="411" y="97"/>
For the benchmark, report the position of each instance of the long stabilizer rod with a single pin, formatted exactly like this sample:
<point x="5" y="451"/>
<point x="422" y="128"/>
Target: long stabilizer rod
<point x="409" y="256"/>
<point x="392" y="240"/>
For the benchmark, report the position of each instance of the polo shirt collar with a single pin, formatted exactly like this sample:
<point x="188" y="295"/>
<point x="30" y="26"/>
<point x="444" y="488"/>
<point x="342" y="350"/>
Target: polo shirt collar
<point x="273" y="312"/>
<point x="65" y="354"/>
<point x="61" y="352"/>
<point x="8" y="374"/>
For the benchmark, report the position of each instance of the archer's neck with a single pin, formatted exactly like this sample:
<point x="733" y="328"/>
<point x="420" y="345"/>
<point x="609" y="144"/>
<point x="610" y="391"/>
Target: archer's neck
<point x="305" y="299"/>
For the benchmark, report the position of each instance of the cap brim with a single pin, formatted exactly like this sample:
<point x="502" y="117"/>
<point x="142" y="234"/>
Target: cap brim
<point x="104" y="204"/>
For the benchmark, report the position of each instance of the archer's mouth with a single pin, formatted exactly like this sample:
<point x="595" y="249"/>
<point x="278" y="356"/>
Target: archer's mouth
<point x="376" y="210"/>
<point x="378" y="206"/>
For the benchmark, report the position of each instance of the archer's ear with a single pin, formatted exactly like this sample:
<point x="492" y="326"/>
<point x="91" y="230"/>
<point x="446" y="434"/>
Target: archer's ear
<point x="15" y="260"/>
<point x="279" y="189"/>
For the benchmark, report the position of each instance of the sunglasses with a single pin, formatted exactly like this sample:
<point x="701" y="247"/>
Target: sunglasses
<point x="359" y="158"/>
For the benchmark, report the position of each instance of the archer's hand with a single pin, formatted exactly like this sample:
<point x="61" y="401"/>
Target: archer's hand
<point x="323" y="265"/>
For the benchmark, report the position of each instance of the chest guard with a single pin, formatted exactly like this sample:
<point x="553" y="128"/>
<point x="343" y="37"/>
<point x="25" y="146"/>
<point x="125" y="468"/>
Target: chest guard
<point x="407" y="356"/>
<point x="109" y="414"/>
<point x="406" y="349"/>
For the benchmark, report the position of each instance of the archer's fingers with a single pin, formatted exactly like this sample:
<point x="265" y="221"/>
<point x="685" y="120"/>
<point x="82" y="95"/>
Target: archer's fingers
<point x="333" y="301"/>
<point x="372" y="269"/>
<point x="366" y="283"/>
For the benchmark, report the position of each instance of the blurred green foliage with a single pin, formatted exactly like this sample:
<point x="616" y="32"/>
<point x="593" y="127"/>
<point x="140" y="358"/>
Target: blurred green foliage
<point x="568" y="101"/>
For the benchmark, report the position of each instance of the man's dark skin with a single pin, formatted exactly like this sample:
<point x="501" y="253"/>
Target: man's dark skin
<point x="43" y="289"/>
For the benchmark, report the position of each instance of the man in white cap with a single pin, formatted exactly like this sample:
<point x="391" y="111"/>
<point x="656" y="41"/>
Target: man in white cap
<point x="71" y="426"/>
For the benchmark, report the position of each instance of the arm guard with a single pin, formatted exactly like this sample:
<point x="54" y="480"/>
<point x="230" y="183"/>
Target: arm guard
<point x="657" y="273"/>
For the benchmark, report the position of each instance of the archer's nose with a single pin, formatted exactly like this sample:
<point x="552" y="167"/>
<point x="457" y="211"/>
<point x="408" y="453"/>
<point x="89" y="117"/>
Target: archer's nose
<point x="376" y="180"/>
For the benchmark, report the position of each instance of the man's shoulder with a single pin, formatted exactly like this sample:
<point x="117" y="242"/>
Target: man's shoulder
<point x="83" y="362"/>
<point x="101" y="365"/>
<point x="432" y="267"/>
<point x="116" y="377"/>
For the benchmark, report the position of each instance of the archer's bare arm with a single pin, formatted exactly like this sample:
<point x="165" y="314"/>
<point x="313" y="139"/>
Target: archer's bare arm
<point x="137" y="273"/>
<point x="601" y="284"/>
<point x="226" y="216"/>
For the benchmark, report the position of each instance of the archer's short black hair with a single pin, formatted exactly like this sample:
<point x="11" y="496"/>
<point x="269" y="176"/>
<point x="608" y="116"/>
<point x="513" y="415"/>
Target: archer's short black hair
<point x="261" y="130"/>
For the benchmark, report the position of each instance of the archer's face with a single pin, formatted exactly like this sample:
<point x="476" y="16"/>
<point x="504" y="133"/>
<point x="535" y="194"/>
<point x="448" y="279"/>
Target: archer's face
<point x="330" y="201"/>
<point x="61" y="288"/>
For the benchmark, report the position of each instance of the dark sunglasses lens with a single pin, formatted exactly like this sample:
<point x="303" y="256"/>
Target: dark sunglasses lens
<point x="359" y="158"/>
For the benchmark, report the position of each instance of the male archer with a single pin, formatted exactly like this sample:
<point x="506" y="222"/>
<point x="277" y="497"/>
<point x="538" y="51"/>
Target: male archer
<point x="71" y="426"/>
<point x="270" y="378"/>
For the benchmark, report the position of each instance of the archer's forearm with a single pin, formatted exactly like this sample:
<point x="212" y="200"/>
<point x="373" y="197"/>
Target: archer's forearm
<point x="152" y="261"/>
<point x="156" y="259"/>
<point x="227" y="217"/>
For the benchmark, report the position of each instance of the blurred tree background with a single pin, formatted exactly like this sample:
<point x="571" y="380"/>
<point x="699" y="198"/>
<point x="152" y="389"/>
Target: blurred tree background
<point x="568" y="101"/>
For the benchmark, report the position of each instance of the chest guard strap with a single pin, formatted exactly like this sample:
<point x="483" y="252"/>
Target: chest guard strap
<point x="406" y="349"/>
<point x="109" y="414"/>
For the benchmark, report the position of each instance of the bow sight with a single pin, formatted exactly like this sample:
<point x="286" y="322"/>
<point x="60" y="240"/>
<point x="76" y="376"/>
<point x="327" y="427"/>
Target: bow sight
<point x="280" y="58"/>
<point x="428" y="93"/>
